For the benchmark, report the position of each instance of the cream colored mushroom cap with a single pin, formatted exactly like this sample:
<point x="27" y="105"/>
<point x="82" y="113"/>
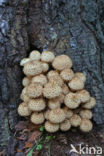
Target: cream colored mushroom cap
<point x="75" y="120"/>
<point x="51" y="90"/>
<point x="76" y="84"/>
<point x="61" y="98"/>
<point x="32" y="68"/>
<point x="86" y="125"/>
<point x="67" y="74"/>
<point x="24" y="95"/>
<point x="46" y="114"/>
<point x="90" y="104"/>
<point x="51" y="127"/>
<point x="45" y="67"/>
<point x="61" y="62"/>
<point x="25" y="81"/>
<point x="56" y="80"/>
<point x="65" y="89"/>
<point x="34" y="90"/>
<point x="68" y="112"/>
<point x="24" y="61"/>
<point x="42" y="79"/>
<point x="57" y="115"/>
<point x="23" y="109"/>
<point x="84" y="96"/>
<point x="35" y="55"/>
<point x="72" y="101"/>
<point x="81" y="76"/>
<point x="87" y="114"/>
<point x="52" y="73"/>
<point x="47" y="56"/>
<point x="65" y="125"/>
<point x="54" y="103"/>
<point x="37" y="104"/>
<point x="37" y="118"/>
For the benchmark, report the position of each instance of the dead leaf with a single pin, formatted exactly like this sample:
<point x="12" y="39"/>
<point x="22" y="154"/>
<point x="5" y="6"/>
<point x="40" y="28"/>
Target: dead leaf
<point x="33" y="136"/>
<point x="28" y="145"/>
<point x="18" y="150"/>
<point x="32" y="126"/>
<point x="21" y="125"/>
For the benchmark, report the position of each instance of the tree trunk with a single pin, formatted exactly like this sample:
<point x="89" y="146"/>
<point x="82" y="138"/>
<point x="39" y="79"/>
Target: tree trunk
<point x="74" y="27"/>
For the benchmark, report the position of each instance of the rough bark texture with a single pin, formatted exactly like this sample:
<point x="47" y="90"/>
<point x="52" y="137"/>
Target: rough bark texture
<point x="74" y="27"/>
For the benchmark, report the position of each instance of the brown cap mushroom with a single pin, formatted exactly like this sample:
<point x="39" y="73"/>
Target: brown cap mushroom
<point x="54" y="103"/>
<point x="67" y="74"/>
<point x="87" y="114"/>
<point x="61" y="62"/>
<point x="84" y="96"/>
<point x="90" y="104"/>
<point x="25" y="81"/>
<point x="81" y="76"/>
<point x="76" y="84"/>
<point x="24" y="95"/>
<point x="47" y="56"/>
<point x="23" y="109"/>
<point x="24" y="61"/>
<point x="34" y="55"/>
<point x="42" y="79"/>
<point x="68" y="112"/>
<point x="65" y="125"/>
<point x="65" y="89"/>
<point x="45" y="67"/>
<point x="51" y="127"/>
<point x="75" y="120"/>
<point x="71" y="100"/>
<point x="37" y="118"/>
<point x="86" y="125"/>
<point x="57" y="115"/>
<point x="34" y="90"/>
<point x="37" y="104"/>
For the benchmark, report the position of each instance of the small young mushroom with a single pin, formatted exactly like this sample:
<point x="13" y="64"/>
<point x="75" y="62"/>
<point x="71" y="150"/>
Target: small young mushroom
<point x="46" y="114"/>
<point x="35" y="55"/>
<point x="87" y="114"/>
<point x="75" y="120"/>
<point x="72" y="101"/>
<point x="86" y="125"/>
<point x="37" y="118"/>
<point x="65" y="125"/>
<point x="42" y="79"/>
<point x="25" y="81"/>
<point x="81" y="76"/>
<point x="24" y="61"/>
<point x="56" y="80"/>
<point x="54" y="103"/>
<point x="52" y="73"/>
<point x="51" y="127"/>
<point x="65" y="89"/>
<point x="68" y="112"/>
<point x="61" y="62"/>
<point x="23" y="109"/>
<point x="57" y="115"/>
<point x="90" y="104"/>
<point x="61" y="98"/>
<point x="76" y="84"/>
<point x="45" y="67"/>
<point x="84" y="96"/>
<point x="47" y="56"/>
<point x="37" y="104"/>
<point x="24" y="95"/>
<point x="67" y="74"/>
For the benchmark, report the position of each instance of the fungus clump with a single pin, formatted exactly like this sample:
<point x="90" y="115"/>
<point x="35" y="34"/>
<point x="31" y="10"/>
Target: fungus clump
<point x="54" y="94"/>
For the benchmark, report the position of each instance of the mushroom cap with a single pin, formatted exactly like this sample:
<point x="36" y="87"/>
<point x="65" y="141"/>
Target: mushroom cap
<point x="76" y="84"/>
<point x="24" y="61"/>
<point x="35" y="55"/>
<point x="72" y="101"/>
<point x="61" y="62"/>
<point x="61" y="98"/>
<point x="87" y="114"/>
<point x="46" y="114"/>
<point x="68" y="112"/>
<point x="86" y="125"/>
<point x="51" y="90"/>
<point x="67" y="74"/>
<point x="37" y="104"/>
<point x="65" y="125"/>
<point x="90" y="104"/>
<point x="32" y="68"/>
<point x="75" y="120"/>
<point x="34" y="90"/>
<point x="24" y="96"/>
<point x="42" y="79"/>
<point x="47" y="56"/>
<point x="54" y="103"/>
<point x="45" y="67"/>
<point x="23" y="109"/>
<point x="81" y="76"/>
<point x="57" y="115"/>
<point x="37" y="118"/>
<point x="65" y="89"/>
<point x="56" y="80"/>
<point x="51" y="127"/>
<point x="25" y="81"/>
<point x="52" y="73"/>
<point x="84" y="96"/>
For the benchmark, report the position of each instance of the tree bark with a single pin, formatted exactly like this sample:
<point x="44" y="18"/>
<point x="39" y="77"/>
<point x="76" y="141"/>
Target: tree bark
<point x="72" y="27"/>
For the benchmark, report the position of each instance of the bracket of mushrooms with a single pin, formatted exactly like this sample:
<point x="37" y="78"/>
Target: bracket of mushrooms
<point x="53" y="94"/>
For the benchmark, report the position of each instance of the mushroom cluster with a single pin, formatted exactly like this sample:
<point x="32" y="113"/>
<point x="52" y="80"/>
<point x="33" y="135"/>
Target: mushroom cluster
<point x="53" y="94"/>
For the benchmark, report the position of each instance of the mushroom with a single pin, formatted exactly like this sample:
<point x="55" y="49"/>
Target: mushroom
<point x="57" y="115"/>
<point x="24" y="95"/>
<point x="75" y="120"/>
<point x="51" y="127"/>
<point x="61" y="62"/>
<point x="87" y="114"/>
<point x="67" y="74"/>
<point x="35" y="55"/>
<point x="90" y="104"/>
<point x="61" y="98"/>
<point x="54" y="103"/>
<point x="51" y="90"/>
<point x="32" y="68"/>
<point x="52" y="73"/>
<point x="25" y="81"/>
<point x="65" y="125"/>
<point x="80" y="76"/>
<point x="47" y="56"/>
<point x="37" y="104"/>
<point x="42" y="79"/>
<point x="37" y="118"/>
<point x="34" y="90"/>
<point x="24" y="61"/>
<point x="56" y="80"/>
<point x="86" y="125"/>
<point x="46" y="114"/>
<point x="45" y="67"/>
<point x="84" y="96"/>
<point x="76" y="84"/>
<point x="68" y="112"/>
<point x="65" y="89"/>
<point x="72" y="101"/>
<point x="23" y="109"/>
